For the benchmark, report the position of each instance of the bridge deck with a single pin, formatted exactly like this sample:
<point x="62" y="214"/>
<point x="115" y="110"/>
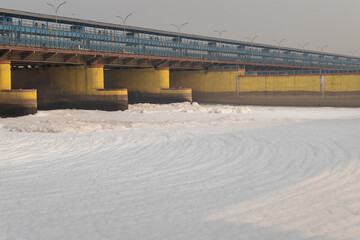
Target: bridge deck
<point x="38" y="31"/>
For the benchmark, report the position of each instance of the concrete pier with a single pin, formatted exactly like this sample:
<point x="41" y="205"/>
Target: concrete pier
<point x="72" y="87"/>
<point x="209" y="86"/>
<point x="14" y="102"/>
<point x="150" y="85"/>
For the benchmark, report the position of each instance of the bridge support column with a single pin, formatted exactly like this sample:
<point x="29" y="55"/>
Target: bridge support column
<point x="72" y="87"/>
<point x="14" y="102"/>
<point x="212" y="86"/>
<point x="97" y="97"/>
<point x="5" y="75"/>
<point x="147" y="85"/>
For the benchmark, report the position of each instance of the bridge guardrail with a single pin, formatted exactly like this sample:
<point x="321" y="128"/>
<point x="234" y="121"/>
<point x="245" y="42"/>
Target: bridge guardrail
<point x="64" y="38"/>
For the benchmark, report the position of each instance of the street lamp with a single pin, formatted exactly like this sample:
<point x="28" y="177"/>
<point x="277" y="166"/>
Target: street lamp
<point x="353" y="52"/>
<point x="322" y="48"/>
<point x="124" y="21"/>
<point x="56" y="17"/>
<point x="220" y="34"/>
<point x="252" y="40"/>
<point x="302" y="46"/>
<point x="178" y="29"/>
<point x="279" y="42"/>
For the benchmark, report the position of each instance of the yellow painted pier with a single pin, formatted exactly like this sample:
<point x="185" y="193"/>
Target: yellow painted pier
<point x="147" y="85"/>
<point x="14" y="102"/>
<point x="72" y="87"/>
<point x="92" y="87"/>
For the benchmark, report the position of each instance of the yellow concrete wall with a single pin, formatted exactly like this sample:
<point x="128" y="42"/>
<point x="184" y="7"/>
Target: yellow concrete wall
<point x="207" y="81"/>
<point x="63" y="80"/>
<point x="177" y="91"/>
<point x="143" y="80"/>
<point x="118" y="92"/>
<point x="5" y="75"/>
<point x="333" y="83"/>
<point x="279" y="83"/>
<point x="66" y="79"/>
<point x="17" y="95"/>
<point x="24" y="78"/>
<point x="226" y="82"/>
<point x="342" y="83"/>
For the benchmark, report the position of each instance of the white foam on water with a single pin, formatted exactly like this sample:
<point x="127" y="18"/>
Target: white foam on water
<point x="72" y="121"/>
<point x="181" y="171"/>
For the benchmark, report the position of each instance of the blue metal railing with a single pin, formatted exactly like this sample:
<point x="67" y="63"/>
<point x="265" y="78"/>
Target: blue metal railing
<point x="104" y="41"/>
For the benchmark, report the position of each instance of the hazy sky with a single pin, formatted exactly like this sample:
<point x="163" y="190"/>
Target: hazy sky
<point x="320" y="22"/>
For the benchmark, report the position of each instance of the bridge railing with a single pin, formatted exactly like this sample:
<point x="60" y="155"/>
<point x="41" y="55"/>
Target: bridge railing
<point x="302" y="72"/>
<point x="45" y="36"/>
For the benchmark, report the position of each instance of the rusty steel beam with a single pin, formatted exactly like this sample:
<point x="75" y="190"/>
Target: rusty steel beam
<point x="5" y="52"/>
<point x="173" y="63"/>
<point x="93" y="59"/>
<point x="158" y="64"/>
<point x="142" y="61"/>
<point x="183" y="64"/>
<point x="47" y="56"/>
<point x="26" y="55"/>
<point x="127" y="61"/>
<point x="111" y="60"/>
<point x="206" y="65"/>
<point x="69" y="57"/>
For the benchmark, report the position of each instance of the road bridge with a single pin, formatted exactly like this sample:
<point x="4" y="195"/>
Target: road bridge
<point x="35" y="38"/>
<point x="74" y="63"/>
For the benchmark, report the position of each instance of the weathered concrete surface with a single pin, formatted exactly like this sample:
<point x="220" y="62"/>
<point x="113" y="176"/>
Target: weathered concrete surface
<point x="338" y="99"/>
<point x="71" y="87"/>
<point x="149" y="85"/>
<point x="17" y="102"/>
<point x="14" y="102"/>
<point x="290" y="90"/>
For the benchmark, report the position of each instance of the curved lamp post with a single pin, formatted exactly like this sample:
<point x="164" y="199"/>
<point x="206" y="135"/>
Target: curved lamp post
<point x="220" y="35"/>
<point x="252" y="39"/>
<point x="178" y="30"/>
<point x="124" y="21"/>
<point x="279" y="42"/>
<point x="353" y="52"/>
<point x="322" y="48"/>
<point x="302" y="46"/>
<point x="56" y="9"/>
